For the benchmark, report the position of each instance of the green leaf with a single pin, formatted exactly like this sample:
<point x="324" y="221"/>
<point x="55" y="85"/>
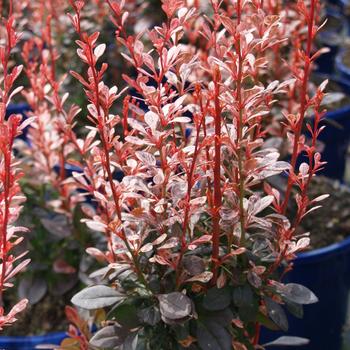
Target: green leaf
<point x="126" y="315"/>
<point x="217" y="299"/>
<point x="213" y="337"/>
<point x="96" y="297"/>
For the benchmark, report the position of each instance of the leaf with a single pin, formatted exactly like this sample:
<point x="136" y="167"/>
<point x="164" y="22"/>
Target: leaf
<point x="96" y="297"/>
<point x="63" y="284"/>
<point x="298" y="294"/>
<point x="131" y="342"/>
<point x="17" y="269"/>
<point x="181" y="120"/>
<point x="110" y="337"/>
<point x="217" y="299"/>
<point x="261" y="204"/>
<point x="277" y="314"/>
<point x="57" y="226"/>
<point x="204" y="277"/>
<point x="193" y="265"/>
<point x="221" y="317"/>
<point x="149" y="315"/>
<point x="126" y="315"/>
<point x="151" y="120"/>
<point x="32" y="289"/>
<point x="67" y="344"/>
<point x="61" y="266"/>
<point x="288" y="341"/>
<point x="266" y="322"/>
<point x="242" y="295"/>
<point x="295" y="309"/>
<point x="19" y="307"/>
<point x="99" y="50"/>
<point x="146" y="158"/>
<point x="213" y="337"/>
<point x="175" y="305"/>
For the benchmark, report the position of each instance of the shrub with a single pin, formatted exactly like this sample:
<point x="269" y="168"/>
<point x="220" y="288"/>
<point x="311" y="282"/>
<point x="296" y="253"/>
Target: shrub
<point x="198" y="237"/>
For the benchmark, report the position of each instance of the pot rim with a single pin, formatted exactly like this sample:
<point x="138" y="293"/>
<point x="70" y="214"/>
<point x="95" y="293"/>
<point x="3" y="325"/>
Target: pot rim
<point x="32" y="338"/>
<point x="324" y="253"/>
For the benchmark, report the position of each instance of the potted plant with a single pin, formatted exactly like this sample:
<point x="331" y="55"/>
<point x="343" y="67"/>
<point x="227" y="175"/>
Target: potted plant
<point x="196" y="236"/>
<point x="195" y="244"/>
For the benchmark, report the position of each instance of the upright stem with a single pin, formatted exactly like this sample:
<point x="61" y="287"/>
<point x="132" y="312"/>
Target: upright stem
<point x="107" y="165"/>
<point x="7" y="185"/>
<point x="303" y="103"/>
<point x="240" y="129"/>
<point x="217" y="178"/>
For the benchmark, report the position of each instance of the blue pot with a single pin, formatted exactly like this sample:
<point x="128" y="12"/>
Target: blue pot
<point x="326" y="272"/>
<point x="332" y="39"/>
<point x="20" y="108"/>
<point x="342" y="70"/>
<point x="30" y="343"/>
<point x="335" y="137"/>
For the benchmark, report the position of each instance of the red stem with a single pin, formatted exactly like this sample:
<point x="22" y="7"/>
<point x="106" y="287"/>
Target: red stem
<point x="303" y="105"/>
<point x="217" y="178"/>
<point x="7" y="186"/>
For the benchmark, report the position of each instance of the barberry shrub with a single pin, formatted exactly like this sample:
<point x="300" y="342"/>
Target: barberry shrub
<point x="198" y="237"/>
<point x="11" y="197"/>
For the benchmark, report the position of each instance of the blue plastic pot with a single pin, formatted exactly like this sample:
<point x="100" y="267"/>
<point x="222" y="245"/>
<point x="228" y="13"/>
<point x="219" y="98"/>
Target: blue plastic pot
<point x="335" y="137"/>
<point x="342" y="70"/>
<point x="20" y="108"/>
<point x="332" y="39"/>
<point x="30" y="343"/>
<point x="326" y="272"/>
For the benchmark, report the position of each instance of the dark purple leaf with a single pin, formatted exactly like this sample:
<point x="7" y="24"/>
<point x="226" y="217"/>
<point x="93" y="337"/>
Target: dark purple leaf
<point x="96" y="297"/>
<point x="175" y="305"/>
<point x="217" y="299"/>
<point x="213" y="337"/>
<point x="277" y="314"/>
<point x="149" y="315"/>
<point x="33" y="289"/>
<point x="193" y="265"/>
<point x="298" y="294"/>
<point x="288" y="341"/>
<point x="110" y="337"/>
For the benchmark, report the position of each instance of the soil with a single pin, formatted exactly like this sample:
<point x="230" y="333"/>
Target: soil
<point x="346" y="58"/>
<point x="44" y="317"/>
<point x="330" y="223"/>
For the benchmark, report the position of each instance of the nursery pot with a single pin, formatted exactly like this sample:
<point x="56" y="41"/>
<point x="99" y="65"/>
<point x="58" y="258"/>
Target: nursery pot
<point x="342" y="69"/>
<point x="30" y="342"/>
<point x="19" y="108"/>
<point x="326" y="272"/>
<point x="332" y="38"/>
<point x="335" y="138"/>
